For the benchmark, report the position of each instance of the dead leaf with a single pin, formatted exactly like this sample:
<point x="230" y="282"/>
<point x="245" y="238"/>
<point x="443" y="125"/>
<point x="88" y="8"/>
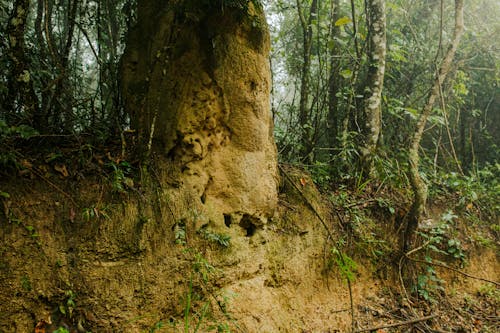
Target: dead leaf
<point x="114" y="160"/>
<point x="72" y="214"/>
<point x="61" y="168"/>
<point x="303" y="181"/>
<point x="27" y="164"/>
<point x="40" y="327"/>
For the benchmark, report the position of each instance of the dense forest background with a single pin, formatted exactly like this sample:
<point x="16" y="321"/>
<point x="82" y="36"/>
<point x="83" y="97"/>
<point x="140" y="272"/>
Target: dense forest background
<point x="354" y="84"/>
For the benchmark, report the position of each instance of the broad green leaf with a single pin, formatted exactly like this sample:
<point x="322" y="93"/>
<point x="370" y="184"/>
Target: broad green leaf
<point x="342" y="21"/>
<point x="346" y="73"/>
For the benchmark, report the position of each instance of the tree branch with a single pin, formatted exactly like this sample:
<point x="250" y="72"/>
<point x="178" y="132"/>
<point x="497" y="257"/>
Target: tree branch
<point x="454" y="269"/>
<point x="408" y="322"/>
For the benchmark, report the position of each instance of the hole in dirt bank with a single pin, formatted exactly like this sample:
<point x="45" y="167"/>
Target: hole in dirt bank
<point x="227" y="220"/>
<point x="247" y="223"/>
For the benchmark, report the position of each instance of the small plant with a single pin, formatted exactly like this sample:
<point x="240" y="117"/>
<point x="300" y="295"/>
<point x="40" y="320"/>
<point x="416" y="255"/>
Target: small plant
<point x="428" y="285"/>
<point x="22" y="131"/>
<point x="345" y="263"/>
<point x="221" y="239"/>
<point x="68" y="306"/>
<point x="119" y="176"/>
<point x="438" y="242"/>
<point x="32" y="231"/>
<point x="26" y="283"/>
<point x="180" y="233"/>
<point x="201" y="271"/>
<point x="455" y="249"/>
<point x="156" y="327"/>
<point x="95" y="212"/>
<point x="197" y="300"/>
<point x="61" y="330"/>
<point x="320" y="173"/>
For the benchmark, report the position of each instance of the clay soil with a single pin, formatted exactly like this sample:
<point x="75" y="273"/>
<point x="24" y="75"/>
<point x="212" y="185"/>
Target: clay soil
<point x="76" y="255"/>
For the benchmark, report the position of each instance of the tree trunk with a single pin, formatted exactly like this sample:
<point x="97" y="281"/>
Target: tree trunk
<point x="304" y="111"/>
<point x="417" y="183"/>
<point x="334" y="79"/>
<point x="196" y="83"/>
<point x="20" y="92"/>
<point x="375" y="80"/>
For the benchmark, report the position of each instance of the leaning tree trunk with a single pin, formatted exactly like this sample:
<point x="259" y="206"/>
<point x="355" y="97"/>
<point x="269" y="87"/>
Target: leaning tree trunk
<point x="196" y="84"/>
<point x="417" y="183"/>
<point x="375" y="80"/>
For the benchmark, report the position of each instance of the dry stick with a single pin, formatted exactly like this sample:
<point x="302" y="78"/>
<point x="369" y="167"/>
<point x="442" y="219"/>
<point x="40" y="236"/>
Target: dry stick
<point x="455" y="270"/>
<point x="53" y="185"/>
<point x="32" y="169"/>
<point x="329" y="234"/>
<point x="447" y="126"/>
<point x="408" y="322"/>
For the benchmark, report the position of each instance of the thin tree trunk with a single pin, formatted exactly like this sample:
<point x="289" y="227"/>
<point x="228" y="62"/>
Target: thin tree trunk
<point x="334" y="79"/>
<point x="304" y="121"/>
<point x="375" y="81"/>
<point x="417" y="183"/>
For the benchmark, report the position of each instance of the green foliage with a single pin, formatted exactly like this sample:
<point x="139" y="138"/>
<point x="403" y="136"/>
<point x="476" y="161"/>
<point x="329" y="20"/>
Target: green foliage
<point x="95" y="212"/>
<point x="61" y="330"/>
<point x="119" y="178"/>
<point x="480" y="190"/>
<point x="320" y="173"/>
<point x="345" y="263"/>
<point x="21" y="131"/>
<point x="26" y="283"/>
<point x="32" y="232"/>
<point x="197" y="311"/>
<point x="180" y="233"/>
<point x="429" y="285"/>
<point x="439" y="241"/>
<point x="156" y="327"/>
<point x="218" y="238"/>
<point x="68" y="305"/>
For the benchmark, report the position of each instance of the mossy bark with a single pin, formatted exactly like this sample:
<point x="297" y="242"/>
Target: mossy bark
<point x="20" y="93"/>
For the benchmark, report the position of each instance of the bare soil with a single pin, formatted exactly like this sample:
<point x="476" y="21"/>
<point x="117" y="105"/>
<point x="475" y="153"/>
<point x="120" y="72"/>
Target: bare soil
<point x="80" y="256"/>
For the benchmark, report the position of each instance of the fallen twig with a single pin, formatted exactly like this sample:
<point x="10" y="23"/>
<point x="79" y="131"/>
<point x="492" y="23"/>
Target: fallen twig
<point x="408" y="322"/>
<point x="455" y="270"/>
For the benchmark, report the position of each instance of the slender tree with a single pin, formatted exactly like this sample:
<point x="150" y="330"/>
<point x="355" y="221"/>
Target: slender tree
<point x="307" y="144"/>
<point x="372" y="112"/>
<point x="417" y="183"/>
<point x="334" y="79"/>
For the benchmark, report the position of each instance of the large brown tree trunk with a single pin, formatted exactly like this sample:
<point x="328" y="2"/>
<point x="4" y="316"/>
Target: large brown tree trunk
<point x="196" y="83"/>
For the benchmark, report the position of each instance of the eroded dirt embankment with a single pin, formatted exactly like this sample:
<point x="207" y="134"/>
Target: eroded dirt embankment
<point x="128" y="262"/>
